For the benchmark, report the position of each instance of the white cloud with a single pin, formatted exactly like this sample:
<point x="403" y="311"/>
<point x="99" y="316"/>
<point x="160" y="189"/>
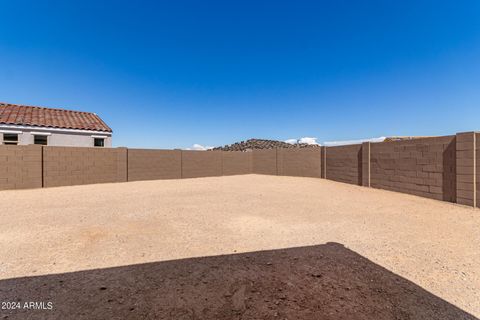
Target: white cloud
<point x="308" y="140"/>
<point x="291" y="141"/>
<point x="348" y="142"/>
<point x="199" y="147"/>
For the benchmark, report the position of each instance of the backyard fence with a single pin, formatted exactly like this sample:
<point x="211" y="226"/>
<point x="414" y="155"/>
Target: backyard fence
<point x="443" y="168"/>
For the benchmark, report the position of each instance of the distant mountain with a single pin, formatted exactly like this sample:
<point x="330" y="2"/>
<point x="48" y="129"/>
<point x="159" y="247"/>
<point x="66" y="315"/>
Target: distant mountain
<point x="252" y="144"/>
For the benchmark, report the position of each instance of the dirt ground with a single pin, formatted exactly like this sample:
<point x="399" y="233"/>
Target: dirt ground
<point x="170" y="249"/>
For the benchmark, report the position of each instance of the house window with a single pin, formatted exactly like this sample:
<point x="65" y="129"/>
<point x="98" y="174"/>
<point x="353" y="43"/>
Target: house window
<point x="98" y="142"/>
<point x="10" y="138"/>
<point x="40" y="139"/>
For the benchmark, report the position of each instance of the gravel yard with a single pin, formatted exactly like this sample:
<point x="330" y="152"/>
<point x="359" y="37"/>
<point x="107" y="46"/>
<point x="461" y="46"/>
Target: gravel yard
<point x="434" y="245"/>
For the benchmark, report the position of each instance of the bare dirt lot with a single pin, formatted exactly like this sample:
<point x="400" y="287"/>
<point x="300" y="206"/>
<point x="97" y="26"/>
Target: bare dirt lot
<point x="171" y="249"/>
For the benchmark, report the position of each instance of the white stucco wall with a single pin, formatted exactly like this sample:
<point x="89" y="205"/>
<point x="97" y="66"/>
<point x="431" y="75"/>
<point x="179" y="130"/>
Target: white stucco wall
<point x="56" y="137"/>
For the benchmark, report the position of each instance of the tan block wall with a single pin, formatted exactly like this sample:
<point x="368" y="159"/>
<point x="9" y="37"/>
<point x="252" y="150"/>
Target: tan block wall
<point x="20" y="167"/>
<point x="66" y="166"/>
<point x="265" y="161"/>
<point x="236" y="162"/>
<point x="151" y="164"/>
<point x="423" y="167"/>
<point x="122" y="164"/>
<point x="466" y="193"/>
<point x="197" y="164"/>
<point x="344" y="164"/>
<point x="444" y="168"/>
<point x="366" y="164"/>
<point x="323" y="164"/>
<point x="477" y="170"/>
<point x="299" y="162"/>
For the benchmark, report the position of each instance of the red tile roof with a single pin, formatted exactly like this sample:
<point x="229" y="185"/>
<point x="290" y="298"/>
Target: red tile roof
<point x="53" y="118"/>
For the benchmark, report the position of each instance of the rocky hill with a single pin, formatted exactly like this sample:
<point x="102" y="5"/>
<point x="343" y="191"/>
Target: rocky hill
<point x="262" y="144"/>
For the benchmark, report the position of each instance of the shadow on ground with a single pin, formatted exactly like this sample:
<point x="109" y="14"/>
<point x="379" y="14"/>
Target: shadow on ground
<point x="318" y="282"/>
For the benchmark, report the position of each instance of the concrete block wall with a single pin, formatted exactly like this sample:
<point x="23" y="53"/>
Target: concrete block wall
<point x="151" y="164"/>
<point x="20" y="167"/>
<point x="477" y="170"/>
<point x="67" y="166"/>
<point x="197" y="164"/>
<point x="234" y="163"/>
<point x="299" y="162"/>
<point x="344" y="163"/>
<point x="466" y="168"/>
<point x="366" y="148"/>
<point x="264" y="161"/>
<point x="423" y="167"/>
<point x="444" y="168"/>
<point x="122" y="164"/>
<point x="323" y="162"/>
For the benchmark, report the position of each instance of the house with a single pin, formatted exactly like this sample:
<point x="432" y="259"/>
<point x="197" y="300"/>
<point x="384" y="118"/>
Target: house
<point x="22" y="125"/>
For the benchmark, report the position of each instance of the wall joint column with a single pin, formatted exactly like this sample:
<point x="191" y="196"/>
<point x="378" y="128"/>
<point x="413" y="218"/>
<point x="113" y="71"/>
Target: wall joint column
<point x="466" y="168"/>
<point x="366" y="164"/>
<point x="323" y="155"/>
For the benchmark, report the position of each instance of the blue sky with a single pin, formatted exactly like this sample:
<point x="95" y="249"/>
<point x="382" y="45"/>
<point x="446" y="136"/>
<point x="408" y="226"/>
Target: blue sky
<point x="166" y="74"/>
